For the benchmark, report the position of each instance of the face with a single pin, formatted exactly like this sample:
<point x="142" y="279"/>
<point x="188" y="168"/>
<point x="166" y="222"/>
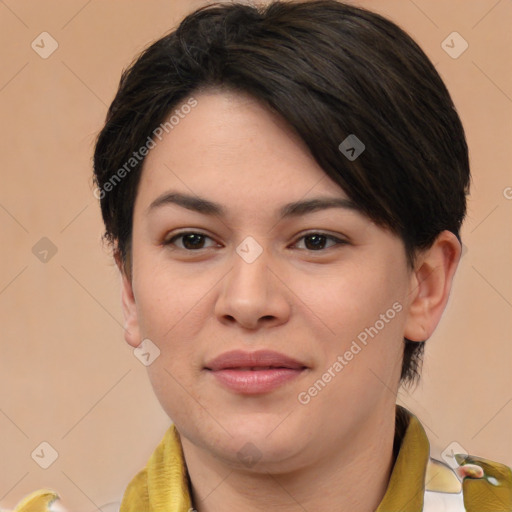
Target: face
<point x="323" y="286"/>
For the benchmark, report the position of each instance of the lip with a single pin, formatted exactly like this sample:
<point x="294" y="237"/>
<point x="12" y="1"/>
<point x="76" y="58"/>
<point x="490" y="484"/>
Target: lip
<point x="254" y="372"/>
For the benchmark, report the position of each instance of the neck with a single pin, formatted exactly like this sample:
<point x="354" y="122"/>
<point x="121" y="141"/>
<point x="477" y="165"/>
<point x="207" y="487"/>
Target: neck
<point x="354" y="477"/>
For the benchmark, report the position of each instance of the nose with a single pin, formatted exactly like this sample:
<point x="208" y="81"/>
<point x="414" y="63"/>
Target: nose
<point x="253" y="294"/>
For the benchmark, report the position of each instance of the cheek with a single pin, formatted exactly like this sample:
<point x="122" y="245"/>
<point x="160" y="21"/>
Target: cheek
<point x="361" y="309"/>
<point x="348" y="299"/>
<point x="169" y="301"/>
<point x="172" y="311"/>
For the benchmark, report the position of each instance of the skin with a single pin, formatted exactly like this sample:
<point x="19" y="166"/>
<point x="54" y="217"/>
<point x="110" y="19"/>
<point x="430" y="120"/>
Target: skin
<point x="334" y="452"/>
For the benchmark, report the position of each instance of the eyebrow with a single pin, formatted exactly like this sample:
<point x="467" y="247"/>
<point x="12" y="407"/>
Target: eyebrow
<point x="206" y="207"/>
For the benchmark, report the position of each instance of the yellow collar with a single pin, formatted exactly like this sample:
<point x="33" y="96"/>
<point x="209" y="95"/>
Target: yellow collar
<point x="406" y="485"/>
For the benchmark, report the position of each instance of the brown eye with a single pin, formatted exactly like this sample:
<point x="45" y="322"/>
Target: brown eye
<point x="317" y="241"/>
<point x="190" y="240"/>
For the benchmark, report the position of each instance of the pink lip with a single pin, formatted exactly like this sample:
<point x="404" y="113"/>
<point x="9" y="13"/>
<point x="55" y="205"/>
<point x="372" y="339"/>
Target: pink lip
<point x="249" y="372"/>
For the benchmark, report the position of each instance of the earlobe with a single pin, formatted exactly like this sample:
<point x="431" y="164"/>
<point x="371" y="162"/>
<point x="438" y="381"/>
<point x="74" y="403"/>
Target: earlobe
<point x="431" y="283"/>
<point x="131" y="323"/>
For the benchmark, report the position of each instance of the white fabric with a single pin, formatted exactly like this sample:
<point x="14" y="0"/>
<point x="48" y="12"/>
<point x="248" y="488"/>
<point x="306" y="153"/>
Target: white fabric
<point x="443" y="502"/>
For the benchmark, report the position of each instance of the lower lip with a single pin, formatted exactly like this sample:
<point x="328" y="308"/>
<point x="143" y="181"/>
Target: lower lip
<point x="252" y="382"/>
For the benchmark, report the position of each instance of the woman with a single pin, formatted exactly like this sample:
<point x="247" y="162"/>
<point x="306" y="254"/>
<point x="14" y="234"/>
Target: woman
<point x="283" y="188"/>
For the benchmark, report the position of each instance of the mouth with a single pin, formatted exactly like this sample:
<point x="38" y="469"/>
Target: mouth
<point x="256" y="368"/>
<point x="254" y="372"/>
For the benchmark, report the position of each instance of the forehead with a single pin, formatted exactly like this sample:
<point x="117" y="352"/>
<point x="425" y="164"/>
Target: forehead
<point x="231" y="148"/>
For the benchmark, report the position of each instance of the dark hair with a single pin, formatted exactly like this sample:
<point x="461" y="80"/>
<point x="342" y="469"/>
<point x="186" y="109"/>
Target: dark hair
<point x="330" y="70"/>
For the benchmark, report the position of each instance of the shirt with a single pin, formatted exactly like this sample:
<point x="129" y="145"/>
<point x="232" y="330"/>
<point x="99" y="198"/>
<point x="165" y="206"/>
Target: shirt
<point x="418" y="483"/>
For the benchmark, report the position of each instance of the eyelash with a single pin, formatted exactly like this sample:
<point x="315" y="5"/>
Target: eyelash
<point x="337" y="241"/>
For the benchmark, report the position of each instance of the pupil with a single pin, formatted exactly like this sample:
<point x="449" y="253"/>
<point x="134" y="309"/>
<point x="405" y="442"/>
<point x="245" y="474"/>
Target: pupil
<point x="318" y="243"/>
<point x="189" y="239"/>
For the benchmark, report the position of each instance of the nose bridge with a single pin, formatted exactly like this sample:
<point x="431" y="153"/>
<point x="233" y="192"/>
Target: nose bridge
<point x="249" y="276"/>
<point x="250" y="292"/>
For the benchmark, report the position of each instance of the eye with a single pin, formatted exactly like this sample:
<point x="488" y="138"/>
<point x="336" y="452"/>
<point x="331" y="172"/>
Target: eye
<point x="191" y="240"/>
<point x="316" y="241"/>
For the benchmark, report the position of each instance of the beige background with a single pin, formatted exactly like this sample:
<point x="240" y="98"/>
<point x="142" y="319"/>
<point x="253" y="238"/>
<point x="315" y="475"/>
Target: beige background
<point x="68" y="377"/>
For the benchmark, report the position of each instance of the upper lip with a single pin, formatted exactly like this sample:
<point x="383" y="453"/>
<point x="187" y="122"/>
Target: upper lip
<point x="260" y="358"/>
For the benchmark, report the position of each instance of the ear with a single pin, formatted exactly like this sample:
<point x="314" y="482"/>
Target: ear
<point x="131" y="321"/>
<point x="431" y="282"/>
